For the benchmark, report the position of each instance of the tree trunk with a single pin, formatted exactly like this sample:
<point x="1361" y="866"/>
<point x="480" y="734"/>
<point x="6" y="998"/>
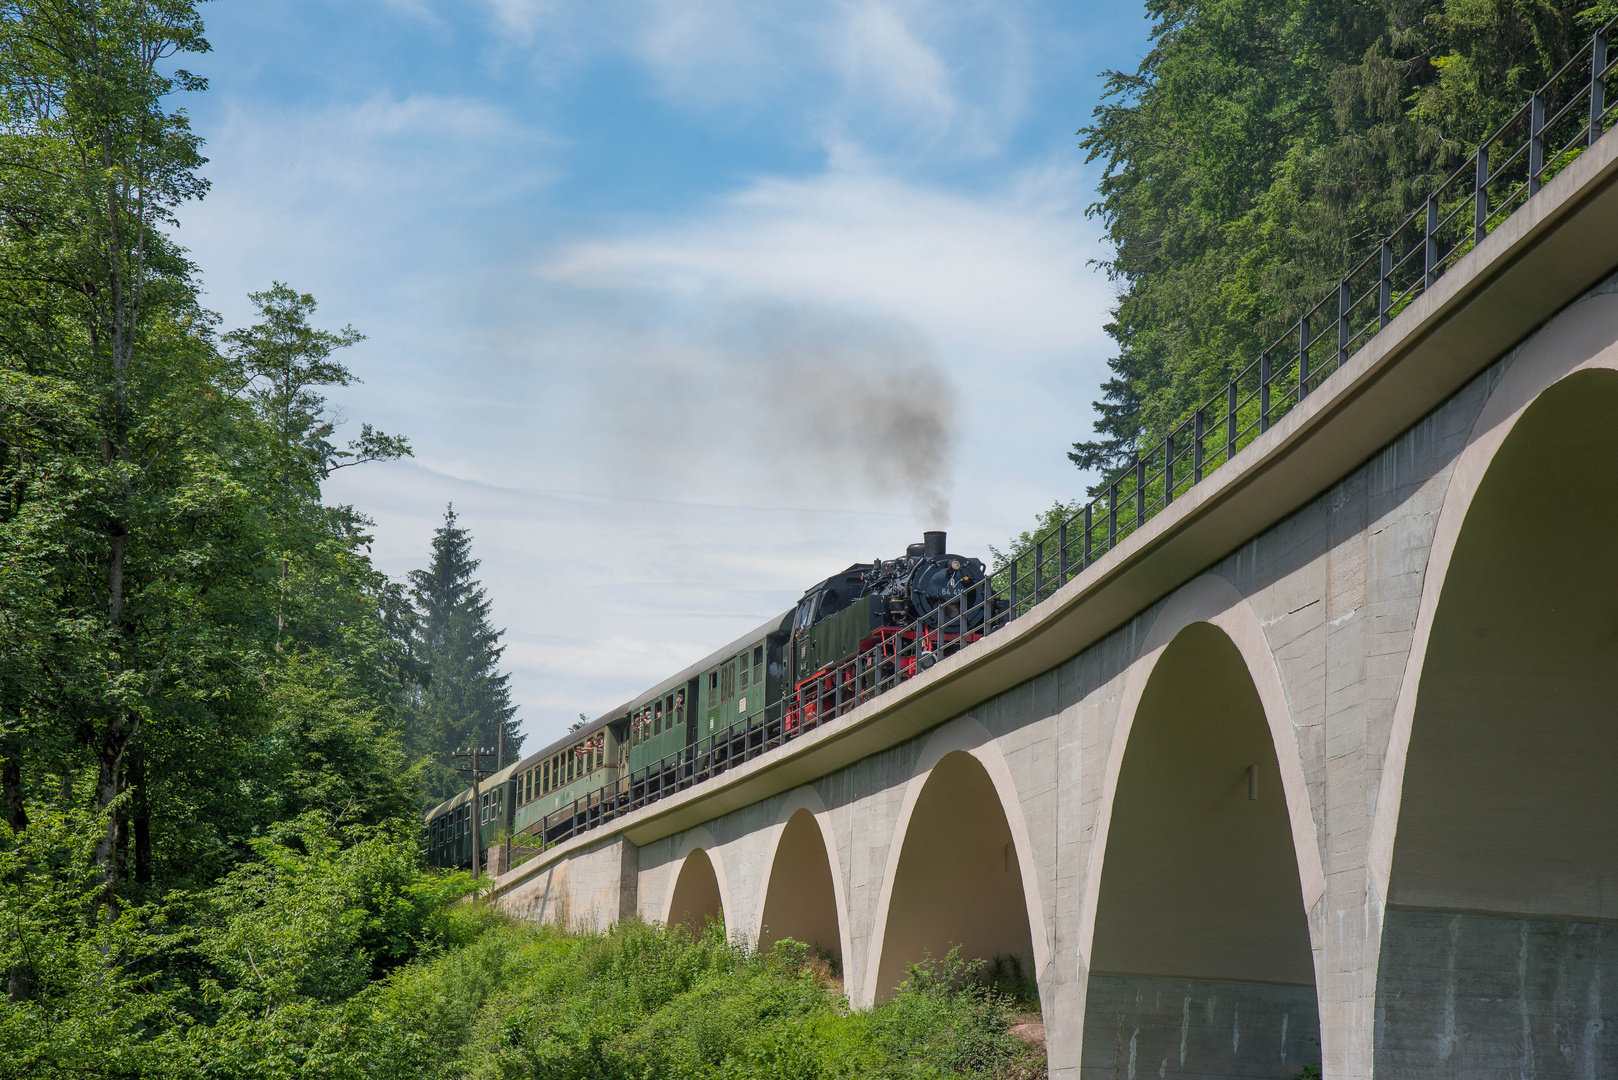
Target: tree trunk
<point x="109" y="755"/>
<point x="141" y="818"/>
<point x="20" y="979"/>
<point x="11" y="783"/>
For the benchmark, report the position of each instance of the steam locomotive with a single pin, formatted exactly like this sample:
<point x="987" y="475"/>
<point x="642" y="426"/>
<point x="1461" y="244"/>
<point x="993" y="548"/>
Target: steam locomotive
<point x="856" y="632"/>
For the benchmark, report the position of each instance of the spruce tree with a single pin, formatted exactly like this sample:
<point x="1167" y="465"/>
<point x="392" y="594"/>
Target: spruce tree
<point x="466" y="700"/>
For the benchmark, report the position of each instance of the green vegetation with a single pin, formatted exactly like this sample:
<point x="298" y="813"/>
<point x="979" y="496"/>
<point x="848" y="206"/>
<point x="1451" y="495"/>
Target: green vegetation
<point x="651" y="1002"/>
<point x="1261" y="148"/>
<point x="332" y="953"/>
<point x="466" y="702"/>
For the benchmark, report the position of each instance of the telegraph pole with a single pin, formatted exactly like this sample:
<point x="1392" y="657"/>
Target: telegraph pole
<point x="478" y="773"/>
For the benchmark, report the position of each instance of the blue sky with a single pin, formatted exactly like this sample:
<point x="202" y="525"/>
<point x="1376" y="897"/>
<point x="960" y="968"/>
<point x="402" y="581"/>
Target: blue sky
<point x="684" y="303"/>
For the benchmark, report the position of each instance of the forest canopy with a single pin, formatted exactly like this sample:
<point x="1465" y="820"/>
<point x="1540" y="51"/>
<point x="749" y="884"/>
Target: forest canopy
<point x="1264" y="146"/>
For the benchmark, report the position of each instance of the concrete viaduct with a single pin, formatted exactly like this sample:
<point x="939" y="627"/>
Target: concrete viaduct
<point x="1320" y="765"/>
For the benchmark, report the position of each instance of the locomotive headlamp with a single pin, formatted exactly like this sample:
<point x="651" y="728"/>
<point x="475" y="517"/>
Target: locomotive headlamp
<point x="928" y="659"/>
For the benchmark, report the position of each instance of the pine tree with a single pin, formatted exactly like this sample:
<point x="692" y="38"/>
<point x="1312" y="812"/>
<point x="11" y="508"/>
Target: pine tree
<point x="466" y="701"/>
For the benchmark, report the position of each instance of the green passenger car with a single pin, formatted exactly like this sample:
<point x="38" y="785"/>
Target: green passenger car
<point x="451" y="826"/>
<point x="722" y="690"/>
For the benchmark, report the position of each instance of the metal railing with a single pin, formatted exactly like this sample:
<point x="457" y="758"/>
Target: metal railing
<point x="1558" y="122"/>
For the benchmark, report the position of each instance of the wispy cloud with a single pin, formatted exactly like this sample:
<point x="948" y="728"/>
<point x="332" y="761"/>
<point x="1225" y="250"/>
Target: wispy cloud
<point x="909" y="73"/>
<point x="882" y="54"/>
<point x="996" y="276"/>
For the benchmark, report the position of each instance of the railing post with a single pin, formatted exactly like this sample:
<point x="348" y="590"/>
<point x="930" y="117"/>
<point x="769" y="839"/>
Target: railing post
<point x="1088" y="508"/>
<point x="1598" y="85"/>
<point x="1536" y="140"/>
<point x="1196" y="447"/>
<point x="1264" y="391"/>
<point x="1430" y="244"/>
<point x="1480" y="197"/>
<point x="1112" y="515"/>
<point x="1039" y="573"/>
<point x="1061" y="555"/>
<point x="1303" y="357"/>
<point x="1011" y="586"/>
<point x="1168" y="468"/>
<point x="1384" y="288"/>
<point x="1231" y="393"/>
<point x="1140" y="491"/>
<point x="1342" y="323"/>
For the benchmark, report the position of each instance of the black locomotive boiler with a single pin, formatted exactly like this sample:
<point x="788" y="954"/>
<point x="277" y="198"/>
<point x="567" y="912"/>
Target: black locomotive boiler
<point x="875" y="622"/>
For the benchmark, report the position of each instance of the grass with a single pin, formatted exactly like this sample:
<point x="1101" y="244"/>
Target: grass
<point x="643" y="1002"/>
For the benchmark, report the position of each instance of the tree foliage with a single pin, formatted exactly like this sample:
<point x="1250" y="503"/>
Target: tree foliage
<point x="466" y="700"/>
<point x="1261" y="148"/>
<point x="193" y="643"/>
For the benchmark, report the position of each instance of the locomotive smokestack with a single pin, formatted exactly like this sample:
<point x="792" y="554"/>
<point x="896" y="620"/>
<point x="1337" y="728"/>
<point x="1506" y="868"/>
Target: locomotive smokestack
<point x="933" y="544"/>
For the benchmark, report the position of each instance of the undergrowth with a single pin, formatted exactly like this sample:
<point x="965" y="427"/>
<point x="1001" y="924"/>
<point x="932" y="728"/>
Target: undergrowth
<point x="643" y="1002"/>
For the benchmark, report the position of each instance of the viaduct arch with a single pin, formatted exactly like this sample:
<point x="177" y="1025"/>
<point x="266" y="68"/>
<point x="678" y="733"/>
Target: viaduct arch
<point x="1197" y="941"/>
<point x="1495" y="846"/>
<point x="697" y="891"/>
<point x="960" y="868"/>
<point x="803" y="892"/>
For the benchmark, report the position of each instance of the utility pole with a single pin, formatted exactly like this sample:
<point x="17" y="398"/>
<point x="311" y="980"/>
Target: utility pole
<point x="478" y="773"/>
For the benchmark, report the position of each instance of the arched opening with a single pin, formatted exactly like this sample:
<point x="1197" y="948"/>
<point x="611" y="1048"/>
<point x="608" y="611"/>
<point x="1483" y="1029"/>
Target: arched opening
<point x="696" y="894"/>
<point x="1497" y="939"/>
<point x="1200" y="962"/>
<point x="958" y="883"/>
<point x="800" y="901"/>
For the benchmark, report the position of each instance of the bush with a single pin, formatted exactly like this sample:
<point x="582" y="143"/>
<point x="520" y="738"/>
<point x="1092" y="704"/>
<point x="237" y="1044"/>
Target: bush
<point x="655" y="1003"/>
<point x="336" y="955"/>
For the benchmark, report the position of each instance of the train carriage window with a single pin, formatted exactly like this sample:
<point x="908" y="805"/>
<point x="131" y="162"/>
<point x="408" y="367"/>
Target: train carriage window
<point x="727" y="682"/>
<point x="668" y="710"/>
<point x="758" y="662"/>
<point x="657" y="719"/>
<point x="741" y="678"/>
<point x="713" y="686"/>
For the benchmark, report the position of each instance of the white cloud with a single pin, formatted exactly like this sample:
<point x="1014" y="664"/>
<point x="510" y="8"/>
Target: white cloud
<point x="870" y="69"/>
<point x="415" y="9"/>
<point x="349" y="194"/>
<point x="998" y="276"/>
<point x="880" y="50"/>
